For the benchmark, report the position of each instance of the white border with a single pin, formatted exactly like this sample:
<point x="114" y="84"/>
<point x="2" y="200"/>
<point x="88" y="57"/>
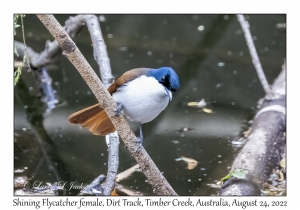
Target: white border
<point x="150" y="7"/>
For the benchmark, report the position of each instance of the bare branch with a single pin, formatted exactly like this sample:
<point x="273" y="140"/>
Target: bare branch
<point x="113" y="162"/>
<point x="156" y="179"/>
<point x="100" y="52"/>
<point x="260" y="72"/>
<point x="73" y="26"/>
<point x="101" y="57"/>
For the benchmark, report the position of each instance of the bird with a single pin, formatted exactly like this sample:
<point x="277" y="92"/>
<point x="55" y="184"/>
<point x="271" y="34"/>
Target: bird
<point x="141" y="94"/>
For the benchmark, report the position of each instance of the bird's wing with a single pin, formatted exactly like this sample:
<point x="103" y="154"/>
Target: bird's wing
<point x="94" y="116"/>
<point x="127" y="77"/>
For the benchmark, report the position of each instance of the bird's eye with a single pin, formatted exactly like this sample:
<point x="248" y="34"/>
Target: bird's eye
<point x="163" y="79"/>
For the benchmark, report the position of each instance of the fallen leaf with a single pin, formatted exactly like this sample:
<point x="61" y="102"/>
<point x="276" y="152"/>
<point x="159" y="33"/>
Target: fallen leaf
<point x="207" y="110"/>
<point x="190" y="162"/>
<point x="282" y="163"/>
<point x="114" y="193"/>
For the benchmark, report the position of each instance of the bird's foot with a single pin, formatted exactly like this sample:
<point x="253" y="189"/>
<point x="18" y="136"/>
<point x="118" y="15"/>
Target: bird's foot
<point x="118" y="110"/>
<point x="139" y="145"/>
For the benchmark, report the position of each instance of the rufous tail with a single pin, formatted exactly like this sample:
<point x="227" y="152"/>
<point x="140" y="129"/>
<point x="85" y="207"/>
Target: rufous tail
<point x="95" y="118"/>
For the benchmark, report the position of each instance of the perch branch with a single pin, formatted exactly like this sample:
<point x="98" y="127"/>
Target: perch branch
<point x="260" y="72"/>
<point x="156" y="179"/>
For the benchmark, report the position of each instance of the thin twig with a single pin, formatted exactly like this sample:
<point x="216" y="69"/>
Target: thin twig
<point x="25" y="58"/>
<point x="255" y="59"/>
<point x="155" y="177"/>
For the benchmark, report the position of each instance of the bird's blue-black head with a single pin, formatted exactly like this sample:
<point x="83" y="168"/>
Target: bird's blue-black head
<point x="167" y="77"/>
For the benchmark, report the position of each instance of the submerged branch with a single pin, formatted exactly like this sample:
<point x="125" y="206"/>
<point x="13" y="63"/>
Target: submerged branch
<point x="262" y="151"/>
<point x="35" y="117"/>
<point x="45" y="85"/>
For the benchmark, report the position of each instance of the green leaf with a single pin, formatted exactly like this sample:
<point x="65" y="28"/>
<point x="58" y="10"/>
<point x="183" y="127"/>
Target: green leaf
<point x="18" y="72"/>
<point x="17" y="75"/>
<point x="240" y="173"/>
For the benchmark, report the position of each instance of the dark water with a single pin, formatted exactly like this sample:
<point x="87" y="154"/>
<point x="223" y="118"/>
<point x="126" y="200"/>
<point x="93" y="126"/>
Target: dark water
<point x="211" y="57"/>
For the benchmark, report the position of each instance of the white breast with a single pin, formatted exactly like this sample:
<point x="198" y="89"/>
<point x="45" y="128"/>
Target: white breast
<point x="143" y="99"/>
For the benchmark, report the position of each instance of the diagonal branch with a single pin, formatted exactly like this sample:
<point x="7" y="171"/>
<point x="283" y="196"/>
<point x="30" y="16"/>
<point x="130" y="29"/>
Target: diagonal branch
<point x="260" y="72"/>
<point x="156" y="179"/>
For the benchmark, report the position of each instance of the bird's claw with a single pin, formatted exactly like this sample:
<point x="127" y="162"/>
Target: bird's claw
<point x="118" y="110"/>
<point x="139" y="145"/>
